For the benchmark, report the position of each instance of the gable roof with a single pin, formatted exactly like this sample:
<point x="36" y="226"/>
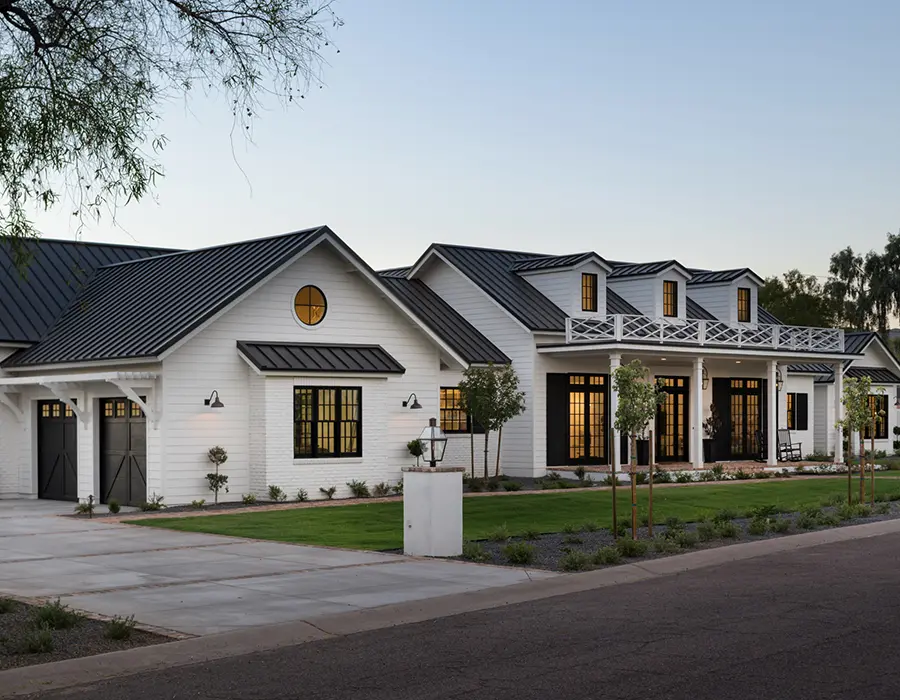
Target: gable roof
<point x="617" y="305"/>
<point x="694" y="311"/>
<point x="315" y="357"/>
<point x="443" y="319"/>
<point x="58" y="269"/>
<point x="855" y="342"/>
<point x="624" y="269"/>
<point x="764" y="316"/>
<point x="722" y="276"/>
<point x="879" y="375"/>
<point x="554" y="262"/>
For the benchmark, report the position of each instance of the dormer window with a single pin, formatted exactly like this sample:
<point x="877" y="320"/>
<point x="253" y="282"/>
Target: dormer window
<point x="743" y="305"/>
<point x="588" y="291"/>
<point x="670" y="298"/>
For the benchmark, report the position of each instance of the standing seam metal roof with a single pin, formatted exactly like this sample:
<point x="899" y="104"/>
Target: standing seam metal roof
<point x="550" y="262"/>
<point x="141" y="308"/>
<point x="314" y="357"/>
<point x="56" y="273"/>
<point x="444" y="320"/>
<point x="880" y="375"/>
<point x="717" y="276"/>
<point x="694" y="311"/>
<point x="635" y="269"/>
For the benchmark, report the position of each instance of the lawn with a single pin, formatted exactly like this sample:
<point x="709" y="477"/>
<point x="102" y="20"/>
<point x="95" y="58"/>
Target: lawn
<point x="379" y="525"/>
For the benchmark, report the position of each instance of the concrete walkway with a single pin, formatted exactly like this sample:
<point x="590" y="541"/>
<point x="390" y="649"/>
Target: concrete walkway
<point x="198" y="584"/>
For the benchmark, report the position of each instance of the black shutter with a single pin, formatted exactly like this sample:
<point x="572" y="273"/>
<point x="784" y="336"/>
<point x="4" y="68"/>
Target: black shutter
<point x="557" y="419"/>
<point x="801" y="412"/>
<point x="721" y="398"/>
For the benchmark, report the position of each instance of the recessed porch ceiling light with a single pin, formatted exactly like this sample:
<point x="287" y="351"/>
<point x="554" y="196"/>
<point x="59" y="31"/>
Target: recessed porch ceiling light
<point x="737" y="362"/>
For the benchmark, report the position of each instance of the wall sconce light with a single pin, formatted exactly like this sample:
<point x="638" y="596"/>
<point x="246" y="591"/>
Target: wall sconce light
<point x="897" y="400"/>
<point x="705" y="375"/>
<point x="779" y="380"/>
<point x="415" y="402"/>
<point x="213" y="402"/>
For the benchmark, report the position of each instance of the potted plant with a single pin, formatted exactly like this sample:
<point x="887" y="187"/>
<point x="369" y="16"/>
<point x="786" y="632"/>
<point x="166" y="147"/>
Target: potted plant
<point x="711" y="427"/>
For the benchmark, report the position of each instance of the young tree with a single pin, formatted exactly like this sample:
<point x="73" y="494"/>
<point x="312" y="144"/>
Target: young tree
<point x="858" y="415"/>
<point x="218" y="456"/>
<point x="639" y="398"/>
<point x="490" y="397"/>
<point x="82" y="83"/>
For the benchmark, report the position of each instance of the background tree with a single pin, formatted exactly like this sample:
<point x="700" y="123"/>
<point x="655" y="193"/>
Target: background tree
<point x="846" y="287"/>
<point x="82" y="82"/>
<point x="797" y="300"/>
<point x="639" y="398"/>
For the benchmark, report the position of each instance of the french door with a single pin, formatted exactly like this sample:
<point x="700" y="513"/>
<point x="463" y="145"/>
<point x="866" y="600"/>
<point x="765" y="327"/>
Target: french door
<point x="587" y="419"/>
<point x="671" y="421"/>
<point x="746" y="400"/>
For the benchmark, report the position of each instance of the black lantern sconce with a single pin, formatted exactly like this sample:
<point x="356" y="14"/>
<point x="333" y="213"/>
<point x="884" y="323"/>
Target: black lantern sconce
<point x="415" y="403"/>
<point x="213" y="400"/>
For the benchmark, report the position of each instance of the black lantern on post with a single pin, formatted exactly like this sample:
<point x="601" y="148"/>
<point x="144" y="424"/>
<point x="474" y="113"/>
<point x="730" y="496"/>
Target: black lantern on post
<point x="434" y="442"/>
<point x="779" y="380"/>
<point x="705" y="378"/>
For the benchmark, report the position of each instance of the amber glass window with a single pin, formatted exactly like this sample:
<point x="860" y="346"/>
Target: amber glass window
<point x="878" y="404"/>
<point x="454" y="418"/>
<point x="327" y="422"/>
<point x="310" y="305"/>
<point x="791" y="417"/>
<point x="588" y="291"/>
<point x="670" y="298"/>
<point x="743" y="302"/>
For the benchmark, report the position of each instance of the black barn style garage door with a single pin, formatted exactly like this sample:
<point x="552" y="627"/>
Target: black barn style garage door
<point x="123" y="452"/>
<point x="57" y="453"/>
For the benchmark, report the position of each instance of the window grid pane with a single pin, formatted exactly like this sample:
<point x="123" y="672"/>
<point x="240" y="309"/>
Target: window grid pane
<point x="327" y="422"/>
<point x="743" y="301"/>
<point x="670" y="298"/>
<point x="588" y="291"/>
<point x="790" y="412"/>
<point x="453" y="417"/>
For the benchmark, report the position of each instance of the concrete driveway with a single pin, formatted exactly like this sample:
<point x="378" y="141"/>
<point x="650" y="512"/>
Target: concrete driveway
<point x="200" y="584"/>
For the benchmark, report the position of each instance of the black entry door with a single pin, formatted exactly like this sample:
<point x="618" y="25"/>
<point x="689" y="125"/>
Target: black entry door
<point x="671" y="421"/>
<point x="746" y="409"/>
<point x="57" y="453"/>
<point x="123" y="452"/>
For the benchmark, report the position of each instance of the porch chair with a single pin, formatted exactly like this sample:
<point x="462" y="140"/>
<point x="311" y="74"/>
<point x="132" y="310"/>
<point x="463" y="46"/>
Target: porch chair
<point x="787" y="450"/>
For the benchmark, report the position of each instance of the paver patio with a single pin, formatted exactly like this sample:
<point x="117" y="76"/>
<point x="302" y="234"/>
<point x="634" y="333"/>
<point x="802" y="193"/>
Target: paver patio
<point x="201" y="584"/>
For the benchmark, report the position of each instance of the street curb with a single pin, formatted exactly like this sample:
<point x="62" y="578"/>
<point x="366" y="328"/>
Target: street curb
<point x="92" y="669"/>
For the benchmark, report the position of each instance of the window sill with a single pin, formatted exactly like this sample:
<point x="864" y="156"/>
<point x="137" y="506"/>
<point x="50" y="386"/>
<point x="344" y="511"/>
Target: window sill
<point x="327" y="460"/>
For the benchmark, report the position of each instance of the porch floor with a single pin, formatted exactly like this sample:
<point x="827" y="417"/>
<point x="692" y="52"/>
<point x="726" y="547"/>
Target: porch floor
<point x="751" y="466"/>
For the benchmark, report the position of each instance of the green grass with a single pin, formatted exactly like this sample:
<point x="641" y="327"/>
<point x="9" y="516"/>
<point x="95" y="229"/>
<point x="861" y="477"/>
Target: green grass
<point x="380" y="525"/>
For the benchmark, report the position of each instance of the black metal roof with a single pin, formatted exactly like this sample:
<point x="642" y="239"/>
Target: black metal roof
<point x="879" y="375"/>
<point x="697" y="312"/>
<point x="856" y="341"/>
<point x="141" y="308"/>
<point x="634" y="269"/>
<point x="31" y="301"/>
<point x="550" y="262"/>
<point x="717" y="276"/>
<point x="492" y="271"/>
<point x="764" y="316"/>
<point x="810" y="368"/>
<point x="443" y="319"/>
<point x="617" y="305"/>
<point x="314" y="357"/>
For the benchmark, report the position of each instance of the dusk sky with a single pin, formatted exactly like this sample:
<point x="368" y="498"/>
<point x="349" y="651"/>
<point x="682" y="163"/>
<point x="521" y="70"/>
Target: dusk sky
<point x="724" y="134"/>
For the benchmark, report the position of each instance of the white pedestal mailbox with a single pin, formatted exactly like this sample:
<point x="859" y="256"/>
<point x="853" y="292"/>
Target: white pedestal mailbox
<point x="432" y="511"/>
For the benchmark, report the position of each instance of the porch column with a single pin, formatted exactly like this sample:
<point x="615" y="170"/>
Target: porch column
<point x="697" y="422"/>
<point x="615" y="360"/>
<point x="837" y="431"/>
<point x="782" y="400"/>
<point x="772" y="427"/>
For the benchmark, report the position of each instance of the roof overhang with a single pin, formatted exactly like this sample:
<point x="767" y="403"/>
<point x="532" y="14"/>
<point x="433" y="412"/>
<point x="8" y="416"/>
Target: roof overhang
<point x="745" y="272"/>
<point x="674" y="265"/>
<point x="312" y="359"/>
<point x="690" y="350"/>
<point x="593" y="258"/>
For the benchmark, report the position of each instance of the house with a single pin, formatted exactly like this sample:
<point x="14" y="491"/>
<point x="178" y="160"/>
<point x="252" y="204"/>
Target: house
<point x="122" y="366"/>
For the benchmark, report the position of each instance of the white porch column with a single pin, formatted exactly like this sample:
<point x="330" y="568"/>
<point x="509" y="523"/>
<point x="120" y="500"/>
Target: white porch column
<point x="772" y="427"/>
<point x="837" y="431"/>
<point x="615" y="360"/>
<point x="782" y="400"/>
<point x="697" y="421"/>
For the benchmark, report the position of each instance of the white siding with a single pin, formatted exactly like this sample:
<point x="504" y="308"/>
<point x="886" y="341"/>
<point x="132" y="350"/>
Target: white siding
<point x="563" y="288"/>
<point x="12" y="442"/>
<point x="799" y="384"/>
<point x="356" y="314"/>
<point x="721" y="299"/>
<point x="515" y="341"/>
<point x="640" y="293"/>
<point x="823" y="419"/>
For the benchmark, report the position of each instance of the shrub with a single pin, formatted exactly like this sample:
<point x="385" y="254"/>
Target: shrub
<point x="799" y="469"/>
<point x="894" y="496"/>
<point x="762" y="475"/>
<point x="198" y="504"/>
<point x="829" y="520"/>
<point x="112" y="505"/>
<point x="397" y="488"/>
<point x="512" y="486"/>
<point x="155" y="502"/>
<point x="579" y="472"/>
<point x="813" y="512"/>
<point x="416" y="448"/>
<point x="707" y="476"/>
<point x="381" y="489"/>
<point x="631" y="548"/>
<point x="641" y="478"/>
<point x="741" y="475"/>
<point x="707" y="532"/>
<point x="329" y="492"/>
<point x="665" y="546"/>
<point x="807" y="522"/>
<point x="573" y="539"/>
<point x="836" y="499"/>
<point x="531" y="533"/>
<point x="473" y="551"/>
<point x="683" y="478"/>
<point x="766" y="511"/>
<point x="662" y="477"/>
<point x="38" y="641"/>
<point x="686" y="540"/>
<point x="302" y="495"/>
<point x="476" y="485"/>
<point x="609" y="479"/>
<point x="726" y="515"/>
<point x="552" y="476"/>
<point x="570" y="529"/>
<point x="780" y="525"/>
<point x="86" y="507"/>
<point x="728" y="530"/>
<point x="359" y="489"/>
<point x="56" y="616"/>
<point x="574" y="560"/>
<point x="7" y="605"/>
<point x="590" y="526"/>
<point x="882" y="508"/>
<point x="758" y="526"/>
<point x="607" y="556"/>
<point x="674" y="524"/>
<point x="493" y="484"/>
<point x="519" y="553"/>
<point x="276" y="494"/>
<point x="120" y="628"/>
<point x="217" y="482"/>
<point x="500" y="533"/>
<point x="718" y="472"/>
<point x="248" y="499"/>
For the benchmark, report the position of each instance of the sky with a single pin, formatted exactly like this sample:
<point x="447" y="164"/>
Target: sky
<point x="758" y="134"/>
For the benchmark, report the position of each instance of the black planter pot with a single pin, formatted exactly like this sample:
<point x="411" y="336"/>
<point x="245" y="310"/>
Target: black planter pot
<point x="709" y="447"/>
<point x="643" y="453"/>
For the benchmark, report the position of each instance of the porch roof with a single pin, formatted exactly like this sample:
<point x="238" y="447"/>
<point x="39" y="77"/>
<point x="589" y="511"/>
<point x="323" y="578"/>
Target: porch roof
<point x="314" y="357"/>
<point x="77" y="378"/>
<point x="690" y="349"/>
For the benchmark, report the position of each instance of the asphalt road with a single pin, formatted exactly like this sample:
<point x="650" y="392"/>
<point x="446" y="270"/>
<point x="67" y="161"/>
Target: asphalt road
<point x="813" y="624"/>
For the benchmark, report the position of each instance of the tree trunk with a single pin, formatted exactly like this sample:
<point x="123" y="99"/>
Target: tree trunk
<point x="862" y="468"/>
<point x="615" y="478"/>
<point x="634" y="487"/>
<point x="872" y="466"/>
<point x="650" y="488"/>
<point x="216" y="492"/>
<point x="849" y="468"/>
<point x="472" y="446"/>
<point x="487" y="436"/>
<point x="497" y="465"/>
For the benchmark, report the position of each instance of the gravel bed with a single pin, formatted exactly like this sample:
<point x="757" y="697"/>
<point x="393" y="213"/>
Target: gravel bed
<point x="87" y="638"/>
<point x="551" y="548"/>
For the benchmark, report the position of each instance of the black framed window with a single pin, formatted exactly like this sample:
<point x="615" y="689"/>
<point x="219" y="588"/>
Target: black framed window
<point x="454" y="418"/>
<point x="327" y="422"/>
<point x="588" y="291"/>
<point x="797" y="411"/>
<point x="743" y="304"/>
<point x="878" y="403"/>
<point x="670" y="298"/>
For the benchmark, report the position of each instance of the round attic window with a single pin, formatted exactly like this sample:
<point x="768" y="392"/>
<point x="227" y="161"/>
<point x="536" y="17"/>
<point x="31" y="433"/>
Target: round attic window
<point x="310" y="305"/>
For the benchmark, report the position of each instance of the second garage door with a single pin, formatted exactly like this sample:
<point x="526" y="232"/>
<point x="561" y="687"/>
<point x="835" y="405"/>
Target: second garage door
<point x="123" y="452"/>
<point x="57" y="454"/>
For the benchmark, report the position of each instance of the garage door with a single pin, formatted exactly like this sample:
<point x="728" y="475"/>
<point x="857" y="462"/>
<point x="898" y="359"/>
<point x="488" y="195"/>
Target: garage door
<point x="57" y="454"/>
<point x="123" y="452"/>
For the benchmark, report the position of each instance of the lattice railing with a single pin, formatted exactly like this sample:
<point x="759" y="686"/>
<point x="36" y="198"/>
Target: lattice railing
<point x="621" y="327"/>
